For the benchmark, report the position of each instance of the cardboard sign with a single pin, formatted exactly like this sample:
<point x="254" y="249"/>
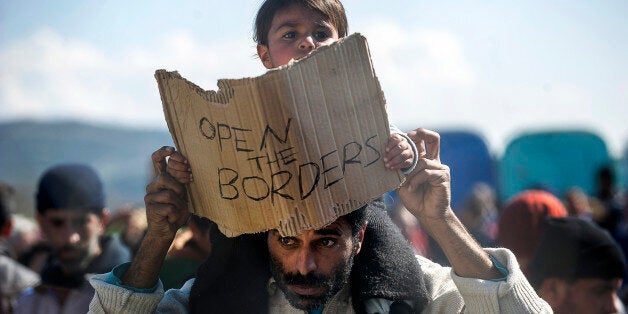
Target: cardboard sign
<point x="290" y="150"/>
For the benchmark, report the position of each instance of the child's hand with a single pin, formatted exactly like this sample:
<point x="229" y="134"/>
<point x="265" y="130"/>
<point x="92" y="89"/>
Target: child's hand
<point x="179" y="168"/>
<point x="399" y="153"/>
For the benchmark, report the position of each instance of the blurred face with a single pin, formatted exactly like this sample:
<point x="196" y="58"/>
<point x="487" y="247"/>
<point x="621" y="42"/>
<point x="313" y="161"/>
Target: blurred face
<point x="73" y="236"/>
<point x="294" y="33"/>
<point x="312" y="267"/>
<point x="589" y="295"/>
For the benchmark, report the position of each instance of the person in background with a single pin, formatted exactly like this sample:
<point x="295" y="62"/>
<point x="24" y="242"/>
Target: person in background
<point x="190" y="247"/>
<point x="577" y="203"/>
<point x="608" y="200"/>
<point x="519" y="221"/>
<point x="71" y="213"/>
<point x="407" y="224"/>
<point x="130" y="224"/>
<point x="14" y="277"/>
<point x="479" y="214"/>
<point x="24" y="234"/>
<point x="578" y="267"/>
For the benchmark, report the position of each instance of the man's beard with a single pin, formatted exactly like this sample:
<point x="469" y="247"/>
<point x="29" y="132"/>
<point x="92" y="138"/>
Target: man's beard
<point x="73" y="259"/>
<point x="330" y="284"/>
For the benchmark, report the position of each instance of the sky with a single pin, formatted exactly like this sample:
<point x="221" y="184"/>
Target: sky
<point x="497" y="68"/>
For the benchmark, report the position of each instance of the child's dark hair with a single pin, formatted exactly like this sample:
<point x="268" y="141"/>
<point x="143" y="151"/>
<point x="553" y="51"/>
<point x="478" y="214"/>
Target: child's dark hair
<point x="332" y="10"/>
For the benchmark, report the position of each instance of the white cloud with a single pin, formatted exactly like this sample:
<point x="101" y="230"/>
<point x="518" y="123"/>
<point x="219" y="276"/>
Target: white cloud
<point x="49" y="76"/>
<point x="428" y="77"/>
<point x="430" y="80"/>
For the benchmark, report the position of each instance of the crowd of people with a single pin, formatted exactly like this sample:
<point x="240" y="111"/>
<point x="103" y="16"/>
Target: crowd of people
<point x="408" y="251"/>
<point x="562" y="243"/>
<point x="568" y="238"/>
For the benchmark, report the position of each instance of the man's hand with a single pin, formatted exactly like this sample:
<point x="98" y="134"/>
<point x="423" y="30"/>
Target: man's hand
<point x="399" y="153"/>
<point x="426" y="192"/>
<point x="166" y="199"/>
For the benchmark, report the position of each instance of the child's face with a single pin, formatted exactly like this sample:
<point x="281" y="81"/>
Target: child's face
<point x="294" y="33"/>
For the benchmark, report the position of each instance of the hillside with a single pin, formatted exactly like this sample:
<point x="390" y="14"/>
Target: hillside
<point x="120" y="155"/>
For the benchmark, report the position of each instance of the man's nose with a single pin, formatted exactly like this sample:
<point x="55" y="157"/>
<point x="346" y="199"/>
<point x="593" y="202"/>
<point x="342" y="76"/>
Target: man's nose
<point x="307" y="43"/>
<point x="306" y="261"/>
<point x="72" y="234"/>
<point x="75" y="237"/>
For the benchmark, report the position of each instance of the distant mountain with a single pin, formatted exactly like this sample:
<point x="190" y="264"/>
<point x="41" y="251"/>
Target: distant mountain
<point x="120" y="155"/>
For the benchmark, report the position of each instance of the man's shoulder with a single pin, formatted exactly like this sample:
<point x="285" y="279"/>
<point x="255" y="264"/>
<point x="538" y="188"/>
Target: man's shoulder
<point x="14" y="275"/>
<point x="429" y="265"/>
<point x="114" y="252"/>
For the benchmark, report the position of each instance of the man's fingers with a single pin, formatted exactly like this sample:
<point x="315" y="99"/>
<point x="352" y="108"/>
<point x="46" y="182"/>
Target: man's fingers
<point x="434" y="177"/>
<point x="425" y="167"/>
<point x="397" y="148"/>
<point x="403" y="159"/>
<point x="159" y="158"/>
<point x="165" y="182"/>
<point x="178" y="162"/>
<point x="179" y="168"/>
<point x="175" y="216"/>
<point x="427" y="141"/>
<point x="182" y="176"/>
<point x="393" y="141"/>
<point x="174" y="203"/>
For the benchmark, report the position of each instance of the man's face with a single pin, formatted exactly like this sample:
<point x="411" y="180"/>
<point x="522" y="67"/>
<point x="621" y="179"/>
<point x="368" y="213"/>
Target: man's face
<point x="73" y="236"/>
<point x="294" y="33"/>
<point x="590" y="295"/>
<point x="312" y="267"/>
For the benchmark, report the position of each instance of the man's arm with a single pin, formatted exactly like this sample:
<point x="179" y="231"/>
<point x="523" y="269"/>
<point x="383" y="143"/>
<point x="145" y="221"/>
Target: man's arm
<point x="166" y="212"/>
<point x="135" y="287"/>
<point x="426" y="193"/>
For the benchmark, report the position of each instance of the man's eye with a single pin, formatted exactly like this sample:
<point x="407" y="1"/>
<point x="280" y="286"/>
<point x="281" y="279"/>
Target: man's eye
<point x="286" y="241"/>
<point x="80" y="221"/>
<point x="327" y="242"/>
<point x="57" y="223"/>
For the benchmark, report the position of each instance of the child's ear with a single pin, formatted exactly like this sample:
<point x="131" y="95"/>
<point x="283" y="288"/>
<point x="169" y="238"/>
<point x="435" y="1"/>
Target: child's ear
<point x="264" y="55"/>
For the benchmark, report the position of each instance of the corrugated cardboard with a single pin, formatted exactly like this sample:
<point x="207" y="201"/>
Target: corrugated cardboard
<point x="292" y="149"/>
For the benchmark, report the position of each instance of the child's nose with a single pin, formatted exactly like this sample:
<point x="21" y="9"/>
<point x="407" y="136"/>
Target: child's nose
<point x="307" y="43"/>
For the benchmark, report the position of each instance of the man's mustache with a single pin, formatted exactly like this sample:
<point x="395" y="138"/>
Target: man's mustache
<point x="71" y="248"/>
<point x="310" y="279"/>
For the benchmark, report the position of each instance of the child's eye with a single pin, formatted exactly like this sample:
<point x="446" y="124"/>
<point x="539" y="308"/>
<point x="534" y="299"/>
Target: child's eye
<point x="289" y="35"/>
<point x="321" y="35"/>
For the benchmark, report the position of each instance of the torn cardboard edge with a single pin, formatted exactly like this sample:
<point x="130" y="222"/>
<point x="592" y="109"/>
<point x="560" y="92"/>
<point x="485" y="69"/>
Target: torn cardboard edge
<point x="292" y="149"/>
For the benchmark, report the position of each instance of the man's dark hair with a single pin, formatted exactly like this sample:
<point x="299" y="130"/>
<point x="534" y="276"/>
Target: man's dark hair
<point x="571" y="248"/>
<point x="332" y="10"/>
<point x="7" y="202"/>
<point x="358" y="218"/>
<point x="70" y="186"/>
